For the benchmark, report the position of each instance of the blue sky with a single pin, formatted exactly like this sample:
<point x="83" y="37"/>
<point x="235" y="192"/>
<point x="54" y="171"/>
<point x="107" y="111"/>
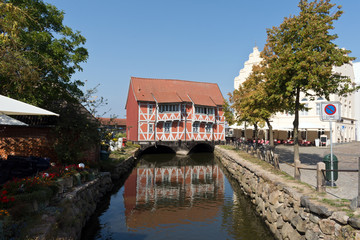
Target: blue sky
<point x="195" y="40"/>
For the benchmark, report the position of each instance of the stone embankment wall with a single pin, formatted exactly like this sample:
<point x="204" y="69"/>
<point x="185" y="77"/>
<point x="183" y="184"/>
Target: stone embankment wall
<point x="76" y="207"/>
<point x="289" y="213"/>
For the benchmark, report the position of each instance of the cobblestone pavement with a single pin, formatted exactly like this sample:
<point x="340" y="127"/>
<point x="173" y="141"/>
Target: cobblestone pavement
<point x="347" y="154"/>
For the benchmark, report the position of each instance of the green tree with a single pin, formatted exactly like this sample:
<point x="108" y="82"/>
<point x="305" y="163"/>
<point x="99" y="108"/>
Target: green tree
<point x="300" y="55"/>
<point x="38" y="57"/>
<point x="260" y="101"/>
<point x="39" y="54"/>
<point x="245" y="112"/>
<point x="228" y="113"/>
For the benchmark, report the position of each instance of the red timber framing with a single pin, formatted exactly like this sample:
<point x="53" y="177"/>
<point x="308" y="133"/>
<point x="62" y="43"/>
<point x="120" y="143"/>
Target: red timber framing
<point x="173" y="110"/>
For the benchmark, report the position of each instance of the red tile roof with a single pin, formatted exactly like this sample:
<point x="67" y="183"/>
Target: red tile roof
<point x="112" y="121"/>
<point x="172" y="91"/>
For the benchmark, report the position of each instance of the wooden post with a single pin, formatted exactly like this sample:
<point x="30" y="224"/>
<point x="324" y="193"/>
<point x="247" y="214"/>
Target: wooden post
<point x="276" y="161"/>
<point x="269" y="158"/>
<point x="320" y="179"/>
<point x="297" y="170"/>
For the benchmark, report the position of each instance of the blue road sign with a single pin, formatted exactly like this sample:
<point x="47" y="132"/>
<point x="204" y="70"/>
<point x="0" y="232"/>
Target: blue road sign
<point x="330" y="109"/>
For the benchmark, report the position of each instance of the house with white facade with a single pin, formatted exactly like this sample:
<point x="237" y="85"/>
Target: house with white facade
<point x="310" y="125"/>
<point x="356" y="66"/>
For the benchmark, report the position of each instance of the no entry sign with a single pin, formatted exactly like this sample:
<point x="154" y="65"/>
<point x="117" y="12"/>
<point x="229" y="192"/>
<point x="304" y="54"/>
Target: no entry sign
<point x="330" y="111"/>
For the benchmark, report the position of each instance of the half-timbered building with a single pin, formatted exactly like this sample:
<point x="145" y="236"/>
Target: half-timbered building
<point x="173" y="110"/>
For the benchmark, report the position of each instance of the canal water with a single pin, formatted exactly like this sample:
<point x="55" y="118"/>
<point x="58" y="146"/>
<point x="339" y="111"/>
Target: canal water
<point x="172" y="197"/>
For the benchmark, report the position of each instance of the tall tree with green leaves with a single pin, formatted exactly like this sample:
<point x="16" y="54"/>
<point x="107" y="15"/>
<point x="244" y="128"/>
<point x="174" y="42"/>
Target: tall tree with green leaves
<point x="38" y="58"/>
<point x="228" y="113"/>
<point x="245" y="112"/>
<point x="300" y="55"/>
<point x="39" y="54"/>
<point x="259" y="101"/>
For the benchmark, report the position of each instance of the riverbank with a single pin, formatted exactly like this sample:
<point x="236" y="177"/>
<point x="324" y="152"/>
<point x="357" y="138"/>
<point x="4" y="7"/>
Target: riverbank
<point x="348" y="158"/>
<point x="291" y="209"/>
<point x="66" y="217"/>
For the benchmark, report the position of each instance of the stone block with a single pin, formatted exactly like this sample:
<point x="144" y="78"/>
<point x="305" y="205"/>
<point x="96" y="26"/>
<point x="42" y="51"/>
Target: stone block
<point x="279" y="222"/>
<point x="271" y="216"/>
<point x="354" y="222"/>
<point x="327" y="226"/>
<point x="340" y="217"/>
<point x="289" y="232"/>
<point x="274" y="197"/>
<point x="317" y="209"/>
<point x="313" y="218"/>
<point x="311" y="235"/>
<point x="298" y="223"/>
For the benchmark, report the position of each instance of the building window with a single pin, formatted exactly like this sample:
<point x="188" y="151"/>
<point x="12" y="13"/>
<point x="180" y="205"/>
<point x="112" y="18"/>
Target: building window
<point x="151" y="128"/>
<point x="204" y="110"/>
<point x="318" y="109"/>
<point x="169" y="108"/>
<point x="208" y="127"/>
<point x="305" y="112"/>
<point x="150" y="108"/>
<point x="320" y="98"/>
<point x="196" y="127"/>
<point x="167" y="127"/>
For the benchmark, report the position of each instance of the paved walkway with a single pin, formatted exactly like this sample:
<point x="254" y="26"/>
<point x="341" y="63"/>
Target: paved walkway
<point x="347" y="155"/>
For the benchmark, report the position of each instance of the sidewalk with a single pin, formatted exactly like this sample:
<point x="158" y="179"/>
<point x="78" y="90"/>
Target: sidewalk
<point x="347" y="155"/>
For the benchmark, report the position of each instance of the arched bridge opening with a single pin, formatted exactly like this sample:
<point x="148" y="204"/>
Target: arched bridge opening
<point x="157" y="149"/>
<point x="178" y="147"/>
<point x="202" y="147"/>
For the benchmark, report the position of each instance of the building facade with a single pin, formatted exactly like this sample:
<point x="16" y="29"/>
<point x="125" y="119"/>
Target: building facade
<point x="310" y="125"/>
<point x="116" y="125"/>
<point x="357" y="100"/>
<point x="173" y="110"/>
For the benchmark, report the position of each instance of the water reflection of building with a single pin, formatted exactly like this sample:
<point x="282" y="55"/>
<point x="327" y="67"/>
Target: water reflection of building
<point x="155" y="196"/>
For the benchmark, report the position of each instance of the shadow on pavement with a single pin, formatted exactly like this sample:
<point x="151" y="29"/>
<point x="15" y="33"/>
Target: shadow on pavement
<point x="286" y="155"/>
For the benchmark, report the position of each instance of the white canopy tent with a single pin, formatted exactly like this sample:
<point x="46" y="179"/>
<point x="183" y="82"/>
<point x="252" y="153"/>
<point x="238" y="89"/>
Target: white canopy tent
<point x="11" y="106"/>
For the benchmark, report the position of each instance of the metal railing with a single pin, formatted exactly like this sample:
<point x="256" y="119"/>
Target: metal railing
<point x="267" y="154"/>
<point x="261" y="151"/>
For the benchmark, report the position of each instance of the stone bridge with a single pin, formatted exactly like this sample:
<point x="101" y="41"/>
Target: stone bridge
<point x="178" y="147"/>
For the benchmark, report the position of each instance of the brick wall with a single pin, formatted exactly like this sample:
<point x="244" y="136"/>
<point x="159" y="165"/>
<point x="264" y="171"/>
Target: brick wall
<point x="34" y="141"/>
<point x="26" y="141"/>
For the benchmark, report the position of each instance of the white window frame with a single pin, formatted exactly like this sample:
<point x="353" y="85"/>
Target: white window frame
<point x="150" y="109"/>
<point x="151" y="127"/>
<point x="196" y="126"/>
<point x="167" y="127"/>
<point x="208" y="128"/>
<point x="317" y="109"/>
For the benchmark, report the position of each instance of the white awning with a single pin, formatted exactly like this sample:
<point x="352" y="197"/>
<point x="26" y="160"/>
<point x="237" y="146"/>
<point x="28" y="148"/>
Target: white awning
<point x="11" y="106"/>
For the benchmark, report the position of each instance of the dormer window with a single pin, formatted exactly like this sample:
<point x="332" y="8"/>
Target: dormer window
<point x="204" y="110"/>
<point x="168" y="108"/>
